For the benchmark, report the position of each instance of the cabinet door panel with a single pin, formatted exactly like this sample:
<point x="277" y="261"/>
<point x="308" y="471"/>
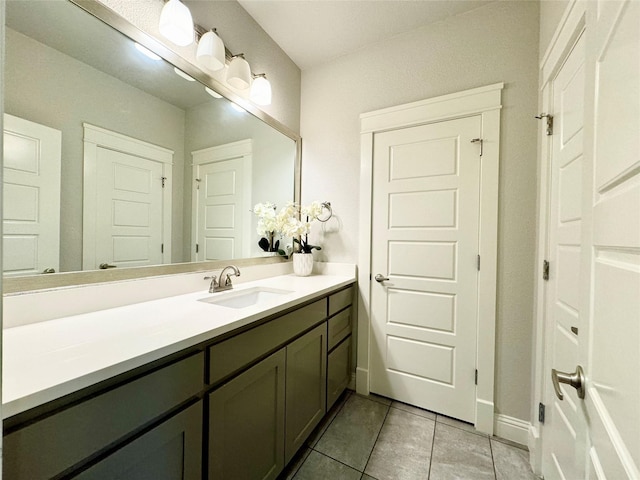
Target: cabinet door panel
<point x="339" y="327"/>
<point x="246" y="423"/>
<point x="233" y="354"/>
<point x="43" y="449"/>
<point x="171" y="451"/>
<point x="340" y="300"/>
<point x="338" y="371"/>
<point x="306" y="387"/>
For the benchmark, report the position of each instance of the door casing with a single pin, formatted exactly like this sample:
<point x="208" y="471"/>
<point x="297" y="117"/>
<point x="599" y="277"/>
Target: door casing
<point x="95" y="137"/>
<point x="486" y="102"/>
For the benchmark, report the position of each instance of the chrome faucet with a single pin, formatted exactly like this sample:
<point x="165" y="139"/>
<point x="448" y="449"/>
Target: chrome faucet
<point x="225" y="281"/>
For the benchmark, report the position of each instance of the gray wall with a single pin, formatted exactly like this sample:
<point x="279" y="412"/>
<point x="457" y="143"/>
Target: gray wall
<point x="53" y="89"/>
<point x="494" y="43"/>
<point x="241" y="34"/>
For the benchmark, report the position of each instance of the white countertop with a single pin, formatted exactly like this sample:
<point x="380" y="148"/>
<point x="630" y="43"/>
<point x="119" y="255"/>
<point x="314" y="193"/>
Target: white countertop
<point x="47" y="360"/>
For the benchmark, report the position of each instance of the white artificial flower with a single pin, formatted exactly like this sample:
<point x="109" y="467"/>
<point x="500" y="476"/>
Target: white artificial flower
<point x="312" y="210"/>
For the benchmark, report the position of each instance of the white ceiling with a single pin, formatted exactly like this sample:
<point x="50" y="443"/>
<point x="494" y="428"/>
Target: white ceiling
<point x="313" y="32"/>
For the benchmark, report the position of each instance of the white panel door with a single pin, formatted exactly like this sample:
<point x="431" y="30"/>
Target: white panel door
<point x="562" y="312"/>
<point x="129" y="210"/>
<point x="610" y="343"/>
<point x="31" y="211"/>
<point x="219" y="214"/>
<point x="593" y="305"/>
<point x="426" y="188"/>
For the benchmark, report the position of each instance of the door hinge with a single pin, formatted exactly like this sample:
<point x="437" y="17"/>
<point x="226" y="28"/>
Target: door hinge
<point x="476" y="378"/>
<point x="164" y="179"/>
<point x="478" y="262"/>
<point x="541" y="409"/>
<point x="545" y="270"/>
<point x="549" y="122"/>
<point x="162" y="248"/>
<point x="481" y="142"/>
<point x="197" y="248"/>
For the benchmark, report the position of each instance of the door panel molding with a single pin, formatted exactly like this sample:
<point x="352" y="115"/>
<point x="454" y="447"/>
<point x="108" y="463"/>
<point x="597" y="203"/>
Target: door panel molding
<point x="486" y="102"/>
<point x="95" y="138"/>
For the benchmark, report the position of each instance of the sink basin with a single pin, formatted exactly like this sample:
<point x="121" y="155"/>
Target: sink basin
<point x="245" y="298"/>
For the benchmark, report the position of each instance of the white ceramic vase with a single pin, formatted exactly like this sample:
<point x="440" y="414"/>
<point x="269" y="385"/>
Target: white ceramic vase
<point x="302" y="264"/>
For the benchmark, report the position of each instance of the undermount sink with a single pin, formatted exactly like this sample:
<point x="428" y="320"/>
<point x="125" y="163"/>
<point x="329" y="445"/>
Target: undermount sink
<point x="245" y="298"/>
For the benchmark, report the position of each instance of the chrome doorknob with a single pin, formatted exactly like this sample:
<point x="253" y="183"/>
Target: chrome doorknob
<point x="104" y="266"/>
<point x="379" y="278"/>
<point x="575" y="379"/>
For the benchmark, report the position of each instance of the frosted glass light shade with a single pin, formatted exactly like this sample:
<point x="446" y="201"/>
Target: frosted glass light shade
<point x="210" y="54"/>
<point x="260" y="91"/>
<point x="176" y="23"/>
<point x="239" y="73"/>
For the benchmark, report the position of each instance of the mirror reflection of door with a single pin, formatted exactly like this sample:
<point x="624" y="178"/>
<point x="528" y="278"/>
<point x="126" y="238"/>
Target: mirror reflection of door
<point x="222" y="201"/>
<point x="31" y="221"/>
<point x="127" y="215"/>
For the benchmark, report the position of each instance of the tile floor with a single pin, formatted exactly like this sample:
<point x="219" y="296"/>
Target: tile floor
<point x="374" y="438"/>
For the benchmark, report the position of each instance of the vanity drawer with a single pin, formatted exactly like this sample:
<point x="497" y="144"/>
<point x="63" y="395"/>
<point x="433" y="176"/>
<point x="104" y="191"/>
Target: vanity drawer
<point x="340" y="300"/>
<point x="49" y="446"/>
<point x="339" y="327"/>
<point x="237" y="352"/>
<point x="338" y="371"/>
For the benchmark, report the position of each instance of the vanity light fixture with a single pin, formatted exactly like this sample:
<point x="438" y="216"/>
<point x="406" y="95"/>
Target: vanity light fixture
<point x="146" y="52"/>
<point x="260" y="90"/>
<point x="239" y="73"/>
<point x="176" y="23"/>
<point x="180" y="73"/>
<point x="213" y="93"/>
<point x="211" y="53"/>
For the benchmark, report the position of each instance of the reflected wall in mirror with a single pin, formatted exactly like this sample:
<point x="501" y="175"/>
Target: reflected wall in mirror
<point x="100" y="140"/>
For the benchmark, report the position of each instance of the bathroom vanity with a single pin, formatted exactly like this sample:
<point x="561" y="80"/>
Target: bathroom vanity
<point x="234" y="395"/>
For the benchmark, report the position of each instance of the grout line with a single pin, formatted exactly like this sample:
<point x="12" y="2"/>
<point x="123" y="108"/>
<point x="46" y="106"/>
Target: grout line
<point x="493" y="463"/>
<point x="336" y="460"/>
<point x="433" y="444"/>
<point x="339" y="408"/>
<point x="475" y="432"/>
<point x="377" y="437"/>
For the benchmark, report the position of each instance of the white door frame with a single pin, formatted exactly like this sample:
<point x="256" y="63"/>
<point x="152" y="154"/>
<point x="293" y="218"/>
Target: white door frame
<point x="483" y="101"/>
<point x="95" y="137"/>
<point x="240" y="149"/>
<point x="571" y="27"/>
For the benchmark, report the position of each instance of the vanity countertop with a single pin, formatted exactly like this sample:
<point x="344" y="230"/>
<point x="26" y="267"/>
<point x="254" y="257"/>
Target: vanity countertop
<point x="47" y="360"/>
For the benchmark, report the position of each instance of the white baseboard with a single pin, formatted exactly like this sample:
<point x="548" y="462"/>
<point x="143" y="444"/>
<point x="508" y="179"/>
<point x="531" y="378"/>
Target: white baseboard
<point x="535" y="449"/>
<point x="511" y="428"/>
<point x="485" y="418"/>
<point x="362" y="381"/>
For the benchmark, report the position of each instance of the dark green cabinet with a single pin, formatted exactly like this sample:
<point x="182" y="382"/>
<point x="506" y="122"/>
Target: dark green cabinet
<point x="306" y="387"/>
<point x="246" y="423"/>
<point x="170" y="451"/>
<point x="77" y="434"/>
<point x="237" y="408"/>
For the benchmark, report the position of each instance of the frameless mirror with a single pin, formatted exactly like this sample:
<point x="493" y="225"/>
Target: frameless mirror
<point x="115" y="158"/>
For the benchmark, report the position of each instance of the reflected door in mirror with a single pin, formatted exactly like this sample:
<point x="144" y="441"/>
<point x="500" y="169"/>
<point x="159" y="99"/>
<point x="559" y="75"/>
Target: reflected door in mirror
<point x="125" y="208"/>
<point x="31" y="222"/>
<point x="222" y="201"/>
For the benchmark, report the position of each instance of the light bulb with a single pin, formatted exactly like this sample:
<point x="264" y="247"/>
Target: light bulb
<point x="239" y="73"/>
<point x="176" y="23"/>
<point x="210" y="53"/>
<point x="260" y="90"/>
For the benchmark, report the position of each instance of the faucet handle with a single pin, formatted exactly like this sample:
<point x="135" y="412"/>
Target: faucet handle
<point x="214" y="282"/>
